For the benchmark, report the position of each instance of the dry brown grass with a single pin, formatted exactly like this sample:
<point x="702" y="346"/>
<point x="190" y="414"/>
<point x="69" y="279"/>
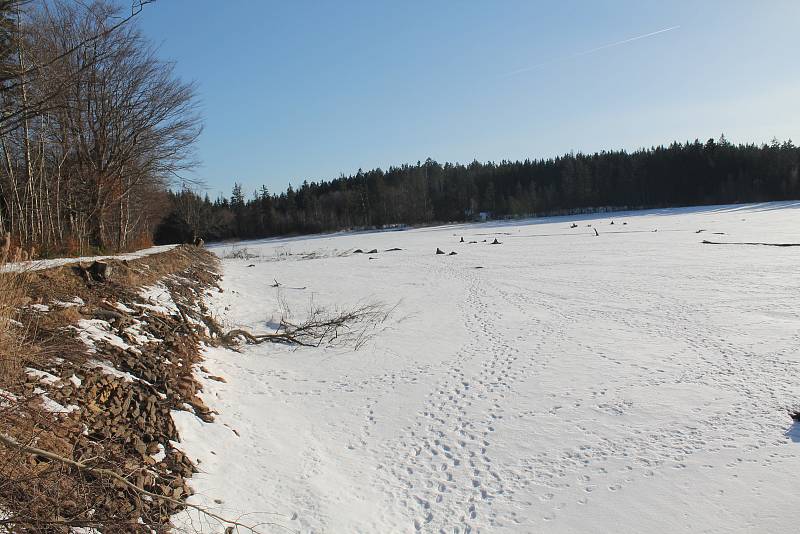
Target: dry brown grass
<point x="40" y="495"/>
<point x="20" y="412"/>
<point x="12" y="332"/>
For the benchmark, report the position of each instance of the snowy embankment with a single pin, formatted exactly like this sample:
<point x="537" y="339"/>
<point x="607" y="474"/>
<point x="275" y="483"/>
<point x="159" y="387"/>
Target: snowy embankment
<point x="37" y="265"/>
<point x="104" y="365"/>
<point x="560" y="381"/>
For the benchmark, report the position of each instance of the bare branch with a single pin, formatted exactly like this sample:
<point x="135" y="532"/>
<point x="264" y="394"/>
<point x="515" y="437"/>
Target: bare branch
<point x="351" y="327"/>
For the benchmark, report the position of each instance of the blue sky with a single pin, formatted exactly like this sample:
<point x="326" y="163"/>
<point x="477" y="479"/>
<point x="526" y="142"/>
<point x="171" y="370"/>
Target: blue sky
<point x="308" y="90"/>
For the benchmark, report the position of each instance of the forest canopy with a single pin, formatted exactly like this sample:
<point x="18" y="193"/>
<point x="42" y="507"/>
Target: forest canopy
<point x="681" y="174"/>
<point x="97" y="133"/>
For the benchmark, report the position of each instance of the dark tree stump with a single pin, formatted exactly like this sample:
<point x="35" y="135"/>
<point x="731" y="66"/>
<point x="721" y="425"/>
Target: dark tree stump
<point x="100" y="271"/>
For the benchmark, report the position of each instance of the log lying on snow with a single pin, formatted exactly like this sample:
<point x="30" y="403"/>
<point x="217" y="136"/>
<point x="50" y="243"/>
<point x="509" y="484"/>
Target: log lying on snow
<point x="706" y="242"/>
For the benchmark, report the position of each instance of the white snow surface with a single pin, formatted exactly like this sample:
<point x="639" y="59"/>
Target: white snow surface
<point x="159" y="299"/>
<point x="636" y="381"/>
<point x="36" y="265"/>
<point x="93" y="330"/>
<point x="52" y="406"/>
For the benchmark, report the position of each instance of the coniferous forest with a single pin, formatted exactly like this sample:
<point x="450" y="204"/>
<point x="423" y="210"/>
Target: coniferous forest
<point x="692" y="173"/>
<point x="97" y="132"/>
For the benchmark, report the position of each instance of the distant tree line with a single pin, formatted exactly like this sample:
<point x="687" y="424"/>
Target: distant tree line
<point x="94" y="126"/>
<point x="692" y="173"/>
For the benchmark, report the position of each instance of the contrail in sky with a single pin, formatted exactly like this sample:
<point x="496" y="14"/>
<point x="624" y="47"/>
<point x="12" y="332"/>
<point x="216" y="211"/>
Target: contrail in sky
<point x="591" y="51"/>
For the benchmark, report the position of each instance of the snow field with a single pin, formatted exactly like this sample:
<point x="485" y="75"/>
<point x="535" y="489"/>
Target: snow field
<point x="561" y="381"/>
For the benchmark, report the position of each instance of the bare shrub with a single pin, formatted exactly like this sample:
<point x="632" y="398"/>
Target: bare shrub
<point x="351" y="327"/>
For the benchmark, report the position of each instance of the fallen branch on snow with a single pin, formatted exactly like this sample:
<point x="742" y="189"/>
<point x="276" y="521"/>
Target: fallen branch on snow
<point x="351" y="327"/>
<point x="706" y="242"/>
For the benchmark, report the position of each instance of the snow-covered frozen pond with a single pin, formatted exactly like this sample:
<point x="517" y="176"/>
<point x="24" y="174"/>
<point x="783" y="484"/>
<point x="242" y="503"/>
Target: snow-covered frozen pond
<point x="634" y="381"/>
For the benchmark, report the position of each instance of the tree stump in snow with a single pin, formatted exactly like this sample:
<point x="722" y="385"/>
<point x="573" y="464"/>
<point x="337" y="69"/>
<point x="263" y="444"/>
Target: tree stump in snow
<point x="98" y="271"/>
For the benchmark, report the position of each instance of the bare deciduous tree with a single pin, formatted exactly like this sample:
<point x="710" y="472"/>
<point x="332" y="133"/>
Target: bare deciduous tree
<point x="100" y="128"/>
